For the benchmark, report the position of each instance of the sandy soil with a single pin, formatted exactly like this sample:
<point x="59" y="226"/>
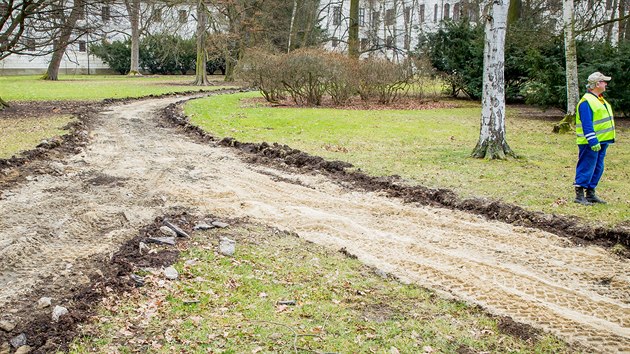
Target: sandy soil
<point x="136" y="168"/>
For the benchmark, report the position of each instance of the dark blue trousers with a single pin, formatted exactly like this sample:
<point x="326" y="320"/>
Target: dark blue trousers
<point x="590" y="166"/>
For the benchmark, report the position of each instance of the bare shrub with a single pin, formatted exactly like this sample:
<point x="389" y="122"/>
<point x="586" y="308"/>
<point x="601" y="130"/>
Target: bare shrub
<point x="304" y="74"/>
<point x="342" y="80"/>
<point x="384" y="80"/>
<point x="425" y="83"/>
<point x="263" y="71"/>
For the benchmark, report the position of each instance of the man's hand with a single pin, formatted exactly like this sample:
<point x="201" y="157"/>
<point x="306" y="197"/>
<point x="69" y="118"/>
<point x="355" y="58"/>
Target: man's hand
<point x="596" y="147"/>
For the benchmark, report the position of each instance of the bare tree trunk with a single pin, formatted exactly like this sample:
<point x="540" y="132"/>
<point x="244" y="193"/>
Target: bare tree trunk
<point x="573" y="91"/>
<point x="201" y="76"/>
<point x="60" y="45"/>
<point x="492" y="143"/>
<point x="295" y="4"/>
<point x="133" y="9"/>
<point x="353" y="33"/>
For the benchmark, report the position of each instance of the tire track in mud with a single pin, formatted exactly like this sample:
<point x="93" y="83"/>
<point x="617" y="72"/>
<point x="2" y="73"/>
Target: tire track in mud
<point x="135" y="169"/>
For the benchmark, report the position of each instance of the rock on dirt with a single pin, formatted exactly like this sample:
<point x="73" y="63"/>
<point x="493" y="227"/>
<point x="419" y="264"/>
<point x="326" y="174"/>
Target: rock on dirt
<point x="220" y="224"/>
<point x="59" y="311"/>
<point x="23" y="349"/>
<point x="227" y="246"/>
<point x="44" y="302"/>
<point x="18" y="341"/>
<point x="171" y="273"/>
<point x="5" y="348"/>
<point x="162" y="240"/>
<point x="7" y="326"/>
<point x="167" y="231"/>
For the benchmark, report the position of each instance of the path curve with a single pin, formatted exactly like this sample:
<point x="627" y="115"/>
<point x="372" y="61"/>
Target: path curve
<point x="135" y="169"/>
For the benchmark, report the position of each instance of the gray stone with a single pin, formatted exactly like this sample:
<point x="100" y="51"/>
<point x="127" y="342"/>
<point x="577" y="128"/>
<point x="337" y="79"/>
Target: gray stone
<point x="171" y="273"/>
<point x="18" y="340"/>
<point x="227" y="246"/>
<point x="191" y="262"/>
<point x="7" y="326"/>
<point x="162" y="240"/>
<point x="59" y="311"/>
<point x="203" y="226"/>
<point x="220" y="224"/>
<point x="165" y="230"/>
<point x="23" y="349"/>
<point x="143" y="248"/>
<point x="381" y="273"/>
<point x="137" y="279"/>
<point x="5" y="348"/>
<point x="175" y="228"/>
<point x="44" y="302"/>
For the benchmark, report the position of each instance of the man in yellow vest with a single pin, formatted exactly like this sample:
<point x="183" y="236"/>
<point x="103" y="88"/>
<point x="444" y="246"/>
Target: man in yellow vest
<point x="595" y="129"/>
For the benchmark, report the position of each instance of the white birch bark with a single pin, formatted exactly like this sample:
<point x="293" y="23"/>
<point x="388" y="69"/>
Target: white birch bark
<point x="293" y="12"/>
<point x="492" y="143"/>
<point x="573" y="91"/>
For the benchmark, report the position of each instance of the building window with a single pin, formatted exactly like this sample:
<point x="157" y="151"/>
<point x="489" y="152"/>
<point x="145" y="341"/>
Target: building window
<point x="421" y="13"/>
<point x="336" y="15"/>
<point x="456" y="14"/>
<point x="183" y="16"/>
<point x="435" y="12"/>
<point x="447" y="12"/>
<point x="390" y="17"/>
<point x="376" y="17"/>
<point x="362" y="17"/>
<point x="364" y="44"/>
<point x="157" y="15"/>
<point x="105" y="14"/>
<point x="82" y="46"/>
<point x="335" y="42"/>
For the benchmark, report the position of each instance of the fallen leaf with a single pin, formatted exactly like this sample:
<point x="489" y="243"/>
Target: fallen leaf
<point x="394" y="350"/>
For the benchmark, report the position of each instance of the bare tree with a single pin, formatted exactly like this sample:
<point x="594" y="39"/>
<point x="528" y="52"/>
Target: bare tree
<point x="570" y="52"/>
<point x="353" y="33"/>
<point x="14" y="20"/>
<point x="133" y="9"/>
<point x="201" y="76"/>
<point x="492" y="143"/>
<point x="65" y="30"/>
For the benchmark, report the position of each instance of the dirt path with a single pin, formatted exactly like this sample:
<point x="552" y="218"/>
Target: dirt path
<point x="135" y="169"/>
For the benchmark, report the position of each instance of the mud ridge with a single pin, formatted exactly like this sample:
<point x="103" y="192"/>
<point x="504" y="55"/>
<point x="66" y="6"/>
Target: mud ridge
<point x="284" y="156"/>
<point x="112" y="277"/>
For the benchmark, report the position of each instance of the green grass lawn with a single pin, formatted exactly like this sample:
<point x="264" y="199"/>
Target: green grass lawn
<point x="25" y="133"/>
<point x="95" y="87"/>
<point x="234" y="305"/>
<point x="431" y="148"/>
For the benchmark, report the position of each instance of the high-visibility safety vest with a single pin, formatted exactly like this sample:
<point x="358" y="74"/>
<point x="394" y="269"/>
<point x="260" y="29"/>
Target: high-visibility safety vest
<point x="603" y="122"/>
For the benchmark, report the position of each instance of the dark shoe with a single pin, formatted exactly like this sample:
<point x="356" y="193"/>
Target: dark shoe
<point x="592" y="197"/>
<point x="579" y="196"/>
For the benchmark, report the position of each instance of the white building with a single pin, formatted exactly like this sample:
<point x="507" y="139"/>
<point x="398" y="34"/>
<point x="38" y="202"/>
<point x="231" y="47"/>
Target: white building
<point x="392" y="28"/>
<point x="100" y="21"/>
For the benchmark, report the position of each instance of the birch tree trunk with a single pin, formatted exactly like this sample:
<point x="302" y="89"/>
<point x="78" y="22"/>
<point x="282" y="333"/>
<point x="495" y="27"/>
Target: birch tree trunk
<point x="133" y="9"/>
<point x="492" y="143"/>
<point x="60" y="45"/>
<point x="201" y="76"/>
<point x="573" y="91"/>
<point x="293" y="12"/>
<point x="353" y="31"/>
